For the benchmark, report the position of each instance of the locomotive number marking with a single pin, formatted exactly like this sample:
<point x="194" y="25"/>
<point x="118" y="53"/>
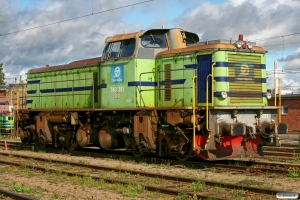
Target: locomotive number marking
<point x="117" y="89"/>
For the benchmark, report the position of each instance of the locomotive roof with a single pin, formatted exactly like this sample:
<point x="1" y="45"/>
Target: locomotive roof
<point x="126" y="36"/>
<point x="208" y="46"/>
<point x="71" y="65"/>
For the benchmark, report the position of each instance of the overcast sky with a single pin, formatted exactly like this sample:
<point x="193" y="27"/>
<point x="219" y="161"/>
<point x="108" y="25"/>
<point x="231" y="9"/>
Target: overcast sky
<point x="273" y="24"/>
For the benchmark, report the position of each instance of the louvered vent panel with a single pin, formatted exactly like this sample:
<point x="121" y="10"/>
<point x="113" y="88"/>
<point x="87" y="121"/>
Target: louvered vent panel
<point x="245" y="82"/>
<point x="168" y="78"/>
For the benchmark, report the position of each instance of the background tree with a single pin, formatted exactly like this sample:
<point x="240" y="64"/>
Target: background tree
<point x="2" y="82"/>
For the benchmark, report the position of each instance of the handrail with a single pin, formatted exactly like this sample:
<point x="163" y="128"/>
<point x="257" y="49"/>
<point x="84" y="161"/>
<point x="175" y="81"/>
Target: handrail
<point x="158" y="71"/>
<point x="279" y="96"/>
<point x="212" y="92"/>
<point x="207" y="101"/>
<point x="279" y="91"/>
<point x="11" y="104"/>
<point x="194" y="113"/>
<point x="212" y="84"/>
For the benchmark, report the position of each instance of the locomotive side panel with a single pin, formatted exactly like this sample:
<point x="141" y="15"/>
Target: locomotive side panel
<point x="174" y="78"/>
<point x="66" y="88"/>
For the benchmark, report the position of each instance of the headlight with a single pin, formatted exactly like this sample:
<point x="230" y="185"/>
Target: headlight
<point x="224" y="95"/>
<point x="239" y="44"/>
<point x="249" y="45"/>
<point x="269" y="95"/>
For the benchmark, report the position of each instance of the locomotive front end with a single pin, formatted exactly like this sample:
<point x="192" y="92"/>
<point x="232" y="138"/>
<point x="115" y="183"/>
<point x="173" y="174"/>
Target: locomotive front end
<point x="238" y="119"/>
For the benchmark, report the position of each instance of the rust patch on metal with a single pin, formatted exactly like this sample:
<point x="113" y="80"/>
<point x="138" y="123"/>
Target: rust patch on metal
<point x="124" y="36"/>
<point x="199" y="48"/>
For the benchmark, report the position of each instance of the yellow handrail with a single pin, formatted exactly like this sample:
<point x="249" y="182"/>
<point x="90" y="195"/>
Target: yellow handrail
<point x="212" y="92"/>
<point x="212" y="84"/>
<point x="194" y="113"/>
<point x="279" y="97"/>
<point x="279" y="91"/>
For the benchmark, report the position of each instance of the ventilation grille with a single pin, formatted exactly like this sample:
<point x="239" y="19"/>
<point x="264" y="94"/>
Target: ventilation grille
<point x="245" y="79"/>
<point x="95" y="79"/>
<point x="168" y="92"/>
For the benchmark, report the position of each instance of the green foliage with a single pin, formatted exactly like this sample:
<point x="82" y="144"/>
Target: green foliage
<point x="2" y="82"/>
<point x="182" y="196"/>
<point x="197" y="186"/>
<point x="131" y="190"/>
<point x="293" y="172"/>
<point x="21" y="188"/>
<point x="249" y="182"/>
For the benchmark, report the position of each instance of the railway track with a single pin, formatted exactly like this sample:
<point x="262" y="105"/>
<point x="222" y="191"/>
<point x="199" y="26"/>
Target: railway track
<point x="236" y="166"/>
<point x="13" y="195"/>
<point x="167" y="184"/>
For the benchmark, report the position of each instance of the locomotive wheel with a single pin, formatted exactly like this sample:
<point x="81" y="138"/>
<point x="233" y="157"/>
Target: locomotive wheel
<point x="187" y="154"/>
<point x="24" y="136"/>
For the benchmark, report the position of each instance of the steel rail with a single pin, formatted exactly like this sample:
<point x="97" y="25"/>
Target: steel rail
<point x="247" y="165"/>
<point x="108" y="180"/>
<point x="242" y="166"/>
<point x="14" y="195"/>
<point x="258" y="190"/>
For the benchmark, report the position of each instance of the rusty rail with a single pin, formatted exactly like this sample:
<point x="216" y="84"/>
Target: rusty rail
<point x="14" y="195"/>
<point x="298" y="141"/>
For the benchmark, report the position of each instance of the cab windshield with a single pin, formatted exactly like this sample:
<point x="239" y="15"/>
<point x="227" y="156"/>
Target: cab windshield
<point x="119" y="49"/>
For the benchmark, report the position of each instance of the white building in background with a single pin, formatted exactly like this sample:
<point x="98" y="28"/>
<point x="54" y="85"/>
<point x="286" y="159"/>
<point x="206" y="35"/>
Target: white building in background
<point x="286" y="91"/>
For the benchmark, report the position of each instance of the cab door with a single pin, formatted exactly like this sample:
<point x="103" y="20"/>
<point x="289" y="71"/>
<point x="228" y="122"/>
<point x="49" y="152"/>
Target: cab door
<point x="203" y="70"/>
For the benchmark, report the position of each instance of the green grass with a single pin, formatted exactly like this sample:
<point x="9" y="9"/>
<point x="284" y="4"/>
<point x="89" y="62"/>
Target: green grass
<point x="238" y="194"/>
<point x="293" y="172"/>
<point x="20" y="188"/>
<point x="197" y="186"/>
<point x="131" y="190"/>
<point x="249" y="182"/>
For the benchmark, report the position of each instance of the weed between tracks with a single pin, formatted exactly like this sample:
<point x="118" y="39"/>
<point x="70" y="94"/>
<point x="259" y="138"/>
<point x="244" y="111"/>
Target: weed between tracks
<point x="265" y="181"/>
<point x="75" y="183"/>
<point x="293" y="172"/>
<point x="127" y="190"/>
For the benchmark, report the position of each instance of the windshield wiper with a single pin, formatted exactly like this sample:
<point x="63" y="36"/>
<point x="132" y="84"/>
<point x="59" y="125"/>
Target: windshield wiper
<point x="152" y="38"/>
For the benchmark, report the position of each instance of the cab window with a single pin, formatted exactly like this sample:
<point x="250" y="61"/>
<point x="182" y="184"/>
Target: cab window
<point x="119" y="49"/>
<point x="154" y="40"/>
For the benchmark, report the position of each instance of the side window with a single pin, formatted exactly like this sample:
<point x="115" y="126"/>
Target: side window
<point x="154" y="41"/>
<point x="285" y="110"/>
<point x="115" y="49"/>
<point x="105" y="54"/>
<point x="119" y="49"/>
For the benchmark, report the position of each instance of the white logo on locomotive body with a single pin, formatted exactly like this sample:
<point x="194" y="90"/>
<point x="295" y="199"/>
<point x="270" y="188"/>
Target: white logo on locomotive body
<point x="117" y="74"/>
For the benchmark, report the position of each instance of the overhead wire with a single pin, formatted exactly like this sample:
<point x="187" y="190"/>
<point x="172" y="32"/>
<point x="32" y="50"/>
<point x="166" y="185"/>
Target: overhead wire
<point x="269" y="38"/>
<point x="74" y="18"/>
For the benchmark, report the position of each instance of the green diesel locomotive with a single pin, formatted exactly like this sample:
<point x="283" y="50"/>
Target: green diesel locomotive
<point x="158" y="91"/>
<point x="6" y="124"/>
